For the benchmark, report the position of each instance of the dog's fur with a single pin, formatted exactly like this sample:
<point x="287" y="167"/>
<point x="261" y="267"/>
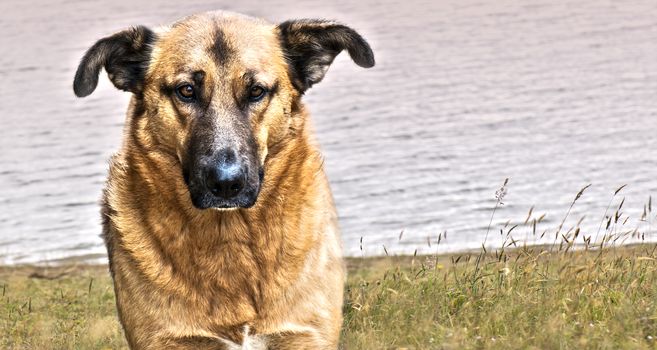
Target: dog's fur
<point x="264" y="275"/>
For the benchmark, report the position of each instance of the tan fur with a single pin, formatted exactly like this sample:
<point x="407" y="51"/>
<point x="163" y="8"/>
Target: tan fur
<point x="185" y="278"/>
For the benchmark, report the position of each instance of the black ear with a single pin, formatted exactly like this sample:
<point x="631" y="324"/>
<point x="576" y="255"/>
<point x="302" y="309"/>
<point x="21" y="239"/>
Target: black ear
<point x="311" y="45"/>
<point x="124" y="55"/>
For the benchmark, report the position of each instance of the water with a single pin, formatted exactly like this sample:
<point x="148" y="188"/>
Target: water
<point x="551" y="94"/>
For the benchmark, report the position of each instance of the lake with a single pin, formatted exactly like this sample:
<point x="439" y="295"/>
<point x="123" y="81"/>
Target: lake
<point x="554" y="95"/>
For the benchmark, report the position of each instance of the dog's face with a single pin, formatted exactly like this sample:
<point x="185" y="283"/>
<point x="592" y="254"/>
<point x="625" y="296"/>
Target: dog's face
<point x="217" y="90"/>
<point x="221" y="91"/>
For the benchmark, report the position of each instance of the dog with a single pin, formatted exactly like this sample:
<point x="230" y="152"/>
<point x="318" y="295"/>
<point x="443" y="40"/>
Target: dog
<point x="218" y="217"/>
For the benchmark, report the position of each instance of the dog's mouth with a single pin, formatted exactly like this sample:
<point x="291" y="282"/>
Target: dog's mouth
<point x="207" y="200"/>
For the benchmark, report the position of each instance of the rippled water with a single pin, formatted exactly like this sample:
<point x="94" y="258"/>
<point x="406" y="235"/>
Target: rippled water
<point x="551" y="94"/>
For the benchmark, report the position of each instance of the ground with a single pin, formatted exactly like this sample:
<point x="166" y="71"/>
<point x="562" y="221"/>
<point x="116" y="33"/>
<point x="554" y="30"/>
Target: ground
<point x="525" y="298"/>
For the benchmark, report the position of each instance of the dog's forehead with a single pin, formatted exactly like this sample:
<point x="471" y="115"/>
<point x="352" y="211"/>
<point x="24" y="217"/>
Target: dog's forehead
<point x="219" y="38"/>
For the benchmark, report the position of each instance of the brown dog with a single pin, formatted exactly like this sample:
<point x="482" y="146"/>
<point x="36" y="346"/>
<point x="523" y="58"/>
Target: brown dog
<point x="218" y="217"/>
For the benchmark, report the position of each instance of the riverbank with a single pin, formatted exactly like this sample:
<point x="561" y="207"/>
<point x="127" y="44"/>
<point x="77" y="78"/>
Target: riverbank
<point x="532" y="297"/>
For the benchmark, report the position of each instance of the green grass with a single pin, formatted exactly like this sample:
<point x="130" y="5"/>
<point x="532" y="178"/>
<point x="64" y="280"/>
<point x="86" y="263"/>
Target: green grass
<point x="520" y="299"/>
<point x="527" y="299"/>
<point x="39" y="310"/>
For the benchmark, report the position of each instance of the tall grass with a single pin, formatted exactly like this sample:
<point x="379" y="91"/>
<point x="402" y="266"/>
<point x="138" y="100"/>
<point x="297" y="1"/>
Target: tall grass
<point x="530" y="298"/>
<point x="577" y="292"/>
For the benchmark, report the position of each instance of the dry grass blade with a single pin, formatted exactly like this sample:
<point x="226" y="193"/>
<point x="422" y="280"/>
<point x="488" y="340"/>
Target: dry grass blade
<point x="605" y="214"/>
<point x="650" y="204"/>
<point x="581" y="192"/>
<point x="619" y="189"/>
<point x="529" y="215"/>
<point x="578" y="196"/>
<point x="499" y="196"/>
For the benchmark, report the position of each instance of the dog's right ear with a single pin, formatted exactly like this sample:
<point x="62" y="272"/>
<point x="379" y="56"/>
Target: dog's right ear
<point x="124" y="55"/>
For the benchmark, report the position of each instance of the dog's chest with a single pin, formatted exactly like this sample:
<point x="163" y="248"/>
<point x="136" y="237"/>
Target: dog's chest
<point x="248" y="341"/>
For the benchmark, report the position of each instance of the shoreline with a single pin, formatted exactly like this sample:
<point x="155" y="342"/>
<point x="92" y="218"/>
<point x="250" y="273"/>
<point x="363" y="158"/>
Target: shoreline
<point x="72" y="266"/>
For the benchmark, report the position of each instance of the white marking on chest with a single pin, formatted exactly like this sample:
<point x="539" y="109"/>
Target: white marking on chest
<point x="250" y="342"/>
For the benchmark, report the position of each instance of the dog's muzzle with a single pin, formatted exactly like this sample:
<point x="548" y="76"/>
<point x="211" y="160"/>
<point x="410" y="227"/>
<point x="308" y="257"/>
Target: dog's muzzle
<point x="224" y="181"/>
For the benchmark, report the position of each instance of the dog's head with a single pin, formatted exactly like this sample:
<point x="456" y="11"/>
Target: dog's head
<point x="217" y="90"/>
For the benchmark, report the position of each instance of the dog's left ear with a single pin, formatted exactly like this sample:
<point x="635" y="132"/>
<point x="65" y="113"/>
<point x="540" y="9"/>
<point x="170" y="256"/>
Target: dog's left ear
<point x="311" y="45"/>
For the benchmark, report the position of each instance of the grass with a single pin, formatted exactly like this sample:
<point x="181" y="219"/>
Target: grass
<point x="526" y="299"/>
<point x="577" y="292"/>
<point x="55" y="308"/>
<point x="522" y="299"/>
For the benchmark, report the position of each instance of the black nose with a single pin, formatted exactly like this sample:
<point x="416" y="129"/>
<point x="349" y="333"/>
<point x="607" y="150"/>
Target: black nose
<point x="226" y="179"/>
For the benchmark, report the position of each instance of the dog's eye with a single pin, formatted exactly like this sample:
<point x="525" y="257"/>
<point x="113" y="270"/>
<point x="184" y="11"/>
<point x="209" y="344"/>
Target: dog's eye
<point x="185" y="92"/>
<point x="256" y="93"/>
